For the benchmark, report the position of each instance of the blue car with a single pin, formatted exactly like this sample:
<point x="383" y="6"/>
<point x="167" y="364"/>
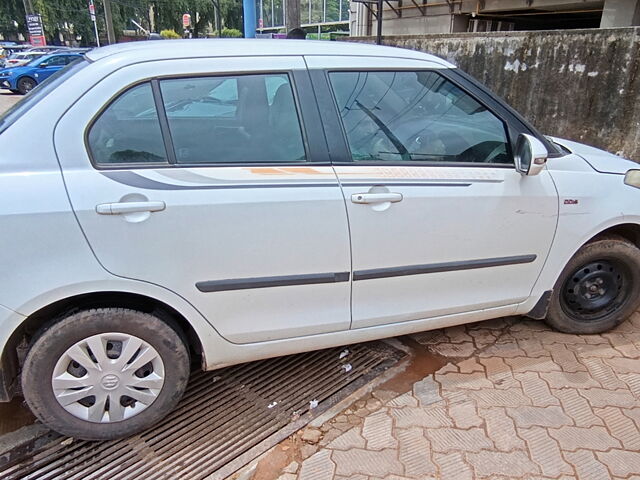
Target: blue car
<point x="23" y="79"/>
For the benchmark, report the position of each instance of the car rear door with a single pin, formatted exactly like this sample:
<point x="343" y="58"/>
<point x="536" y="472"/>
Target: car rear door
<point x="210" y="177"/>
<point x="441" y="223"/>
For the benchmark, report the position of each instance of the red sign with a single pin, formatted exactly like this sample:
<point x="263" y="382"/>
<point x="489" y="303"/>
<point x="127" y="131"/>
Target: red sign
<point x="260" y="23"/>
<point x="37" y="40"/>
<point x="186" y="20"/>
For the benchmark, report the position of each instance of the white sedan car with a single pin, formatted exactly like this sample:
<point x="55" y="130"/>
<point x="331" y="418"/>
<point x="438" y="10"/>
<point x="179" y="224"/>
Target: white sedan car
<point x="220" y="201"/>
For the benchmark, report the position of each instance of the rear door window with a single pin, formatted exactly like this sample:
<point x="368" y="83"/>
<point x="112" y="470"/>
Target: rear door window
<point x="233" y="119"/>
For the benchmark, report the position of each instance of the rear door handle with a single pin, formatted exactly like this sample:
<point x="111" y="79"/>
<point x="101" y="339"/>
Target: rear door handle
<point x="120" y="208"/>
<point x="376" y="197"/>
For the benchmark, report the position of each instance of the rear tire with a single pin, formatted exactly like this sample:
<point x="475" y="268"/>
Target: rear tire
<point x="79" y="367"/>
<point x="598" y="289"/>
<point x="25" y="85"/>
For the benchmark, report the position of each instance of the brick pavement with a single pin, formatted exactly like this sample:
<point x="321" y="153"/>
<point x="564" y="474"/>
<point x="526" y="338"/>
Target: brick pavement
<point x="514" y="400"/>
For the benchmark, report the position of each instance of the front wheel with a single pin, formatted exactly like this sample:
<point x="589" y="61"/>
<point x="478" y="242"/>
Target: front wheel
<point x="105" y="373"/>
<point x="25" y="85"/>
<point x="598" y="289"/>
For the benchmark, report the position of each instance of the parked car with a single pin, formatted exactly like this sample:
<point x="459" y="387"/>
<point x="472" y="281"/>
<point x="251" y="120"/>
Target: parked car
<point x="24" y="79"/>
<point x="212" y="202"/>
<point x="22" y="58"/>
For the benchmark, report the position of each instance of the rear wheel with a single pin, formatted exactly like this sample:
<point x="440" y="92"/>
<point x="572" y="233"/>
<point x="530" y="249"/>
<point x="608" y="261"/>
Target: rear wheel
<point x="598" y="289"/>
<point x="106" y="373"/>
<point x="25" y="85"/>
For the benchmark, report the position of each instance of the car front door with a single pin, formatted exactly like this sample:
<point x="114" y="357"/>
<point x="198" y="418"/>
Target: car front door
<point x="207" y="184"/>
<point x="50" y="66"/>
<point x="441" y="222"/>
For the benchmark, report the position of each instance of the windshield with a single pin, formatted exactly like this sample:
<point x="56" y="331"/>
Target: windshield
<point x="42" y="90"/>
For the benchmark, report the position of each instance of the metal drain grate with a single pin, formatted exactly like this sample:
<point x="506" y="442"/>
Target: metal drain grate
<point x="223" y="415"/>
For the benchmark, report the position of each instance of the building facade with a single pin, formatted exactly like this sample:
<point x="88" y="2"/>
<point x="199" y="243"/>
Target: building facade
<point x="413" y="17"/>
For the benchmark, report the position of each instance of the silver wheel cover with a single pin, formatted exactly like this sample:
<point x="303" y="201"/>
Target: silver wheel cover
<point x="108" y="377"/>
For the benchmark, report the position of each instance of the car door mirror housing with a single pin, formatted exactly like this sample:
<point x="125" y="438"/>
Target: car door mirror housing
<point x="530" y="155"/>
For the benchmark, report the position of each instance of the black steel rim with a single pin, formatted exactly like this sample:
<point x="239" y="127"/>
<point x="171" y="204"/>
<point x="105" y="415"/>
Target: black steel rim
<point x="595" y="290"/>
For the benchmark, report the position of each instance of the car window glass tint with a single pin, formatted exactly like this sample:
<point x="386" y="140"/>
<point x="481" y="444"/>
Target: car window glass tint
<point x="128" y="130"/>
<point x="233" y="119"/>
<point x="415" y="116"/>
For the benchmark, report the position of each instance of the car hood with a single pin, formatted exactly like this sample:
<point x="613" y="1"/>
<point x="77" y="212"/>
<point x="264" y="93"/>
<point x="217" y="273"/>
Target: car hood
<point x="601" y="161"/>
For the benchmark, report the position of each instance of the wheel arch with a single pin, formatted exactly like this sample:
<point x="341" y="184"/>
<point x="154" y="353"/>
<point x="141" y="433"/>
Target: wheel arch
<point x="629" y="231"/>
<point x="22" y="337"/>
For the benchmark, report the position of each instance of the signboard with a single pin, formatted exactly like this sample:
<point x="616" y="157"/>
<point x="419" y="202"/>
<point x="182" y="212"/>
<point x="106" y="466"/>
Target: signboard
<point x="186" y="20"/>
<point x="92" y="11"/>
<point x="36" y="32"/>
<point x="260" y="23"/>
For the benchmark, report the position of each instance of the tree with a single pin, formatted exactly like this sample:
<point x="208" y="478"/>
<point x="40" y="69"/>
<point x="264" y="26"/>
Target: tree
<point x="12" y="12"/>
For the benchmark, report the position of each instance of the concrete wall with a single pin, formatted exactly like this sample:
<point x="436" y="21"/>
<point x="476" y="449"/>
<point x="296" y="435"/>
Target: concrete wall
<point x="582" y="85"/>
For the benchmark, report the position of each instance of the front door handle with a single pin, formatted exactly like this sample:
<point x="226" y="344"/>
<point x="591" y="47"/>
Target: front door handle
<point x="120" y="208"/>
<point x="390" y="197"/>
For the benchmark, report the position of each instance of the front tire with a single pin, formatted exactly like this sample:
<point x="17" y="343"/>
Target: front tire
<point x="25" y="85"/>
<point x="598" y="289"/>
<point x="106" y="373"/>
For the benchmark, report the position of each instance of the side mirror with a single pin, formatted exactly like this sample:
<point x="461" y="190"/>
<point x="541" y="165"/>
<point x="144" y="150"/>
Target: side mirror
<point x="43" y="65"/>
<point x="530" y="155"/>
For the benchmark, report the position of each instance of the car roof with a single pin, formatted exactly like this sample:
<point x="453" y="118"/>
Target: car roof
<point x="169" y="49"/>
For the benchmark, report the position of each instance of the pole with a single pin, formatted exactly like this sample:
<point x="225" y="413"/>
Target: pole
<point x="216" y="4"/>
<point x="92" y="13"/>
<point x="292" y="14"/>
<point x="108" y="19"/>
<point x="379" y="23"/>
<point x="249" y="14"/>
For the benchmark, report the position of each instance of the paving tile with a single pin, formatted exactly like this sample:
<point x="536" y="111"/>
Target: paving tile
<point x="598" y="350"/>
<point x="350" y="439"/>
<point x="446" y="440"/>
<point x="528" y="364"/>
<point x="621" y="427"/>
<point x="377" y="431"/>
<point x="632" y="381"/>
<point x="586" y="465"/>
<point x="376" y="463"/>
<point x="574" y="438"/>
<point x="454" y="349"/>
<point x="536" y="389"/>
<point x="603" y="373"/>
<point x="567" y="360"/>
<point x="633" y="414"/>
<point x="600" y="397"/>
<point x="577" y="408"/>
<point x="499" y="398"/>
<point x="405" y="400"/>
<point x="427" y="391"/>
<point x="525" y="416"/>
<point x="419" y="417"/>
<point x="532" y="347"/>
<point x="470" y="365"/>
<point x="317" y="467"/>
<point x="509" y="349"/>
<point x="501" y="429"/>
<point x="464" y="415"/>
<point x="569" y="380"/>
<point x="624" y="365"/>
<point x="499" y="373"/>
<point x="621" y="462"/>
<point x="453" y="467"/>
<point x="415" y="453"/>
<point x="545" y="452"/>
<point x="511" y="464"/>
<point x="466" y="381"/>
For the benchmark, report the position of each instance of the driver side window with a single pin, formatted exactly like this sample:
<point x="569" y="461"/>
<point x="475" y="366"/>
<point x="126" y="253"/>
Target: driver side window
<point x="410" y="116"/>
